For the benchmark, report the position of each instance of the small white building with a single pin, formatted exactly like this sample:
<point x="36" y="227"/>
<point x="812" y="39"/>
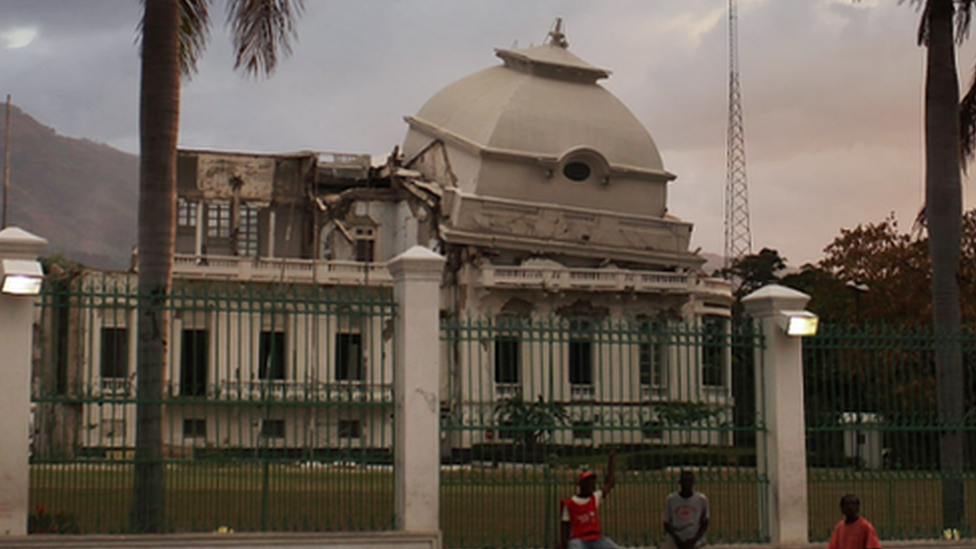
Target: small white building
<point x="863" y="440"/>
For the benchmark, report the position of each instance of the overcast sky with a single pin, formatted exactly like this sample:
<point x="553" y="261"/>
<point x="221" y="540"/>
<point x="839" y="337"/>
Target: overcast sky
<point x="832" y="91"/>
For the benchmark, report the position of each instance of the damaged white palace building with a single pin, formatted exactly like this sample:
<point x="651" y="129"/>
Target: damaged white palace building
<point x="544" y="192"/>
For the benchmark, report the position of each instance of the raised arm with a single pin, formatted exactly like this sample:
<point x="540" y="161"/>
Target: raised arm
<point x="608" y="477"/>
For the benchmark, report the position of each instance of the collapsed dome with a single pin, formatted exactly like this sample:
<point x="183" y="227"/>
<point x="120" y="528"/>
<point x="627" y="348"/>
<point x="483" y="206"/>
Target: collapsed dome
<point x="544" y="102"/>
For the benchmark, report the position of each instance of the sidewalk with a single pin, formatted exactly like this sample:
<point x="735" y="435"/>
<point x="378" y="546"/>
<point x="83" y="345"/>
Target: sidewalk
<point x="338" y="541"/>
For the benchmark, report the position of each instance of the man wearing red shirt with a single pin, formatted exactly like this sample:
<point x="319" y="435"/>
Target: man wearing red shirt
<point x="854" y="532"/>
<point x="580" y="526"/>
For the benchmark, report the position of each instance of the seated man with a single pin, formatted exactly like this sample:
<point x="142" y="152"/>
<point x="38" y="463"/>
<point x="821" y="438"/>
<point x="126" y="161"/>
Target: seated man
<point x="685" y="516"/>
<point x="580" y="526"/>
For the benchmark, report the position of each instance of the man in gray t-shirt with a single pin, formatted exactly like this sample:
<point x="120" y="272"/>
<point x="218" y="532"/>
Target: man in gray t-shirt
<point x="685" y="516"/>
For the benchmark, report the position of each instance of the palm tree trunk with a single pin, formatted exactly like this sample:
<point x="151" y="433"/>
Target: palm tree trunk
<point x="158" y="130"/>
<point x="943" y="205"/>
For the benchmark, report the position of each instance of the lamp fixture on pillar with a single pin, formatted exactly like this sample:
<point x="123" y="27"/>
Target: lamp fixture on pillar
<point x="798" y="323"/>
<point x="21" y="277"/>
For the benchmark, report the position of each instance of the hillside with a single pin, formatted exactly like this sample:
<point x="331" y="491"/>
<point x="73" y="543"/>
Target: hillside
<point x="78" y="194"/>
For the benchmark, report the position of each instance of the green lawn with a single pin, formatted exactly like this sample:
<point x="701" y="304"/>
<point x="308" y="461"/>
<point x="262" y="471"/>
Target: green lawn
<point x="507" y="506"/>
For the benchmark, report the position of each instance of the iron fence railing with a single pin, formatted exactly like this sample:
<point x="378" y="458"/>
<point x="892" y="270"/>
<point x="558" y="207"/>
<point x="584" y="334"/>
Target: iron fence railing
<point x="277" y="406"/>
<point x="873" y="427"/>
<point x="531" y="402"/>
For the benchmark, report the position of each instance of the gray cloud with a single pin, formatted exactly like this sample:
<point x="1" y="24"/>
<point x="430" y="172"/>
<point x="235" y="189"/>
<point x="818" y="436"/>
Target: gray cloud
<point x="831" y="91"/>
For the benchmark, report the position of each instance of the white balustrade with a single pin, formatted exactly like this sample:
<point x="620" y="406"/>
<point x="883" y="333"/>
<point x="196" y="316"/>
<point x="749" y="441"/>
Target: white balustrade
<point x="562" y="278"/>
<point x="353" y="273"/>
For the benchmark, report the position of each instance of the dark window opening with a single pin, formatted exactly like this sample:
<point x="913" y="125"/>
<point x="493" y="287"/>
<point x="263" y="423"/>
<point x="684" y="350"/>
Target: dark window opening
<point x="194" y="428"/>
<point x="507" y="359"/>
<point x="713" y="351"/>
<point x="193" y="363"/>
<point x="273" y="428"/>
<point x="271" y="352"/>
<point x="580" y="354"/>
<point x="365" y="250"/>
<point x="576" y="171"/>
<point x="651" y="356"/>
<point x="349" y="357"/>
<point x="115" y="353"/>
<point x="350" y="428"/>
<point x="582" y="430"/>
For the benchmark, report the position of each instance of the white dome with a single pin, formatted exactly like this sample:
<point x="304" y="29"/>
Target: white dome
<point x="544" y="101"/>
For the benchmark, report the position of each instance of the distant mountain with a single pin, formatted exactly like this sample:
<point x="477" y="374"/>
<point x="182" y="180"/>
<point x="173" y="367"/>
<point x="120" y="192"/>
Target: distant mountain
<point x="78" y="194"/>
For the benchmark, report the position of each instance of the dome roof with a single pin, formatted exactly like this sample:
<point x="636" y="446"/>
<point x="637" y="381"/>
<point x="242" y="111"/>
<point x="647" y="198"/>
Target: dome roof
<point x="543" y="102"/>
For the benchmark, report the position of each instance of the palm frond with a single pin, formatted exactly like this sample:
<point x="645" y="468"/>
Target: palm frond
<point x="194" y="33"/>
<point x="921" y="224"/>
<point x="967" y="125"/>
<point x="262" y="31"/>
<point x="967" y="107"/>
<point x="922" y="35"/>
<point x="964" y="18"/>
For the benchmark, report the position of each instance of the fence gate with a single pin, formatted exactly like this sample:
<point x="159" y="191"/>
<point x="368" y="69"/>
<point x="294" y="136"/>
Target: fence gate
<point x="530" y="403"/>
<point x="277" y="407"/>
<point x="873" y="428"/>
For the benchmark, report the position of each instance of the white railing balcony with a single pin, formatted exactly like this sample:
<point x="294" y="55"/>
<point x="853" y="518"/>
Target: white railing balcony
<point x="351" y="391"/>
<point x="346" y="273"/>
<point x="116" y="386"/>
<point x="652" y="393"/>
<point x="581" y="392"/>
<point x="507" y="390"/>
<point x="564" y="278"/>
<point x="715" y="287"/>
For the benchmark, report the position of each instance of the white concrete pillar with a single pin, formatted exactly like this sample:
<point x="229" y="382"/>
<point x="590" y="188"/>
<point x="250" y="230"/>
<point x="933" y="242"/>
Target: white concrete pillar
<point x="779" y="383"/>
<point x="417" y="277"/>
<point x="16" y="326"/>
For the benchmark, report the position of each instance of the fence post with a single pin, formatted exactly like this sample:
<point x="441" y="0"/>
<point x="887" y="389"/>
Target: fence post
<point x="780" y="372"/>
<point x="16" y="326"/>
<point x="417" y="277"/>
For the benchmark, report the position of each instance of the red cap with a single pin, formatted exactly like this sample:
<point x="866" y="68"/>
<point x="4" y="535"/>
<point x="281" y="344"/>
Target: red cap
<point x="585" y="475"/>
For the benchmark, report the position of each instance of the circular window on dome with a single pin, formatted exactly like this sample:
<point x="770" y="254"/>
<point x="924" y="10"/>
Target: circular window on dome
<point x="577" y="171"/>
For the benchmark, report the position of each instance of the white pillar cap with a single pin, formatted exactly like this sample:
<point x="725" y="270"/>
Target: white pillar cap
<point x="416" y="260"/>
<point x="773" y="298"/>
<point x="16" y="243"/>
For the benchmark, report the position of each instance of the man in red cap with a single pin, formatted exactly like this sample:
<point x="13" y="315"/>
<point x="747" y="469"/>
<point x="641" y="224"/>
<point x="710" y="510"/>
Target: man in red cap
<point x="580" y="527"/>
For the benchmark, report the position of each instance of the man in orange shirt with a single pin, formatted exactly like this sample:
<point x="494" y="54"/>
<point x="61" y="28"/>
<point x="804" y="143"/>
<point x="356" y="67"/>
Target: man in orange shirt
<point x="854" y="532"/>
<point x="580" y="521"/>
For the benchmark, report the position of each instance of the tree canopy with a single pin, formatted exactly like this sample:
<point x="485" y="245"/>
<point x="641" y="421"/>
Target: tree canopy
<point x="873" y="272"/>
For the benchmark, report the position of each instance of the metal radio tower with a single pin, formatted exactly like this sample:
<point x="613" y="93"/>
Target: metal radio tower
<point x="738" y="239"/>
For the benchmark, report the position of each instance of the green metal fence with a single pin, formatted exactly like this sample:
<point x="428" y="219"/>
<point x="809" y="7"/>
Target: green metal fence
<point x="277" y="407"/>
<point x="873" y="428"/>
<point x="532" y="402"/>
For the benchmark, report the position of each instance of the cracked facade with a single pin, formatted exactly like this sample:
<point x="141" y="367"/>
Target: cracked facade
<point x="547" y="196"/>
